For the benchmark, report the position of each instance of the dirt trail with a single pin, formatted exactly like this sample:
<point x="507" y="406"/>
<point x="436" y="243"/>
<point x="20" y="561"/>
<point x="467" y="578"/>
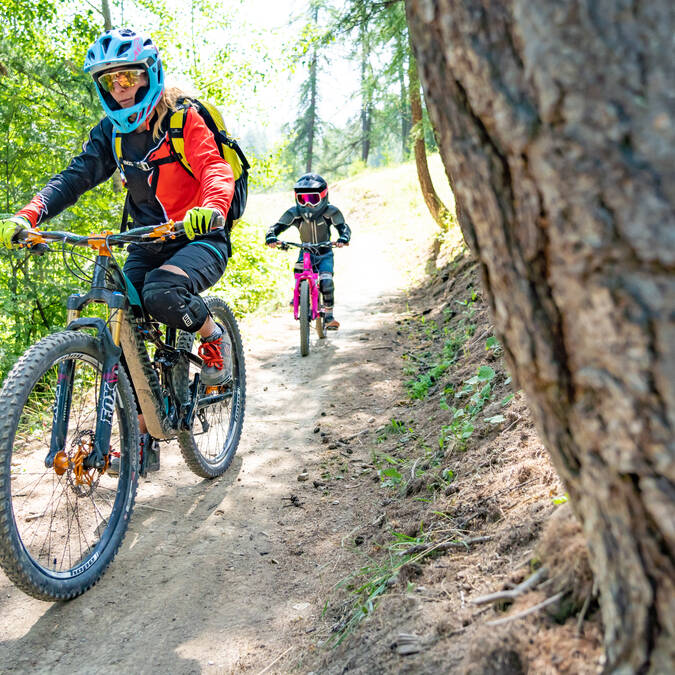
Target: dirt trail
<point x="228" y="575"/>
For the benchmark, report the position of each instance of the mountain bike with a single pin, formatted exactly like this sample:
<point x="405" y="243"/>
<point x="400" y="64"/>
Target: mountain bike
<point x="306" y="305"/>
<point x="68" y="405"/>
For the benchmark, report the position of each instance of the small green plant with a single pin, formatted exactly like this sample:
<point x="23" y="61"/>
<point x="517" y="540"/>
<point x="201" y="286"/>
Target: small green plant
<point x="375" y="578"/>
<point x="392" y="428"/>
<point x="387" y="470"/>
<point x="492" y="344"/>
<point x="562" y="499"/>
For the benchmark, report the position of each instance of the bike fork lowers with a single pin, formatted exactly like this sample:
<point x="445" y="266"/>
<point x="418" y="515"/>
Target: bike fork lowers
<point x="107" y="394"/>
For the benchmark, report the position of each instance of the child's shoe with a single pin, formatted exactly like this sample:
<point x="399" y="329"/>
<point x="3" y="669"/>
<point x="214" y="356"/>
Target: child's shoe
<point x="330" y="322"/>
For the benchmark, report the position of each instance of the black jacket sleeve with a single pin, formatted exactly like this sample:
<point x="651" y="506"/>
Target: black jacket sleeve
<point x="287" y="219"/>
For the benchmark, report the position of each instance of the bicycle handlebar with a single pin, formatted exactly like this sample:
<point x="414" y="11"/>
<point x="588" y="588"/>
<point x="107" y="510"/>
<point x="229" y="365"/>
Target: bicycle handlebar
<point x="285" y="245"/>
<point x="36" y="240"/>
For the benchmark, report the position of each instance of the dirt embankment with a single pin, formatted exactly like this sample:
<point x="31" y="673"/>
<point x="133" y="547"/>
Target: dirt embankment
<point x="363" y="515"/>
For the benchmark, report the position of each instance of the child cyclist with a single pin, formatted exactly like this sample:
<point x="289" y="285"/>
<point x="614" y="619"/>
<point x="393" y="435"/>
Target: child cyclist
<point x="129" y="79"/>
<point x="313" y="216"/>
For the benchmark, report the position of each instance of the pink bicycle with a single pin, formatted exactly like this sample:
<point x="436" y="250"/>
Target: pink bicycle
<point x="306" y="305"/>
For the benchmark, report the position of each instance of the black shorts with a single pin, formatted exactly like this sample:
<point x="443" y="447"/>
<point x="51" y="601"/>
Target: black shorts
<point x="204" y="261"/>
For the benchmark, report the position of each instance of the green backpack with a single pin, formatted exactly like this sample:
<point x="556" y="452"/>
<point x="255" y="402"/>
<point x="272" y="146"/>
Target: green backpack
<point x="229" y="150"/>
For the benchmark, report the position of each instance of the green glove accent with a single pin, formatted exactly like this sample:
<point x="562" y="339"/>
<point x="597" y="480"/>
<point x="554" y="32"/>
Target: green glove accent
<point x="9" y="227"/>
<point x="200" y="220"/>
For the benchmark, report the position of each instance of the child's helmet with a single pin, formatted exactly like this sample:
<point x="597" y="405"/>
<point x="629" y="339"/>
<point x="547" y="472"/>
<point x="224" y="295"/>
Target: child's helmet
<point x="311" y="195"/>
<point x="126" y="47"/>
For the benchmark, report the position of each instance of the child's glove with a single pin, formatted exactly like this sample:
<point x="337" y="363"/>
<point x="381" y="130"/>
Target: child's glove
<point x="201" y="220"/>
<point x="271" y="241"/>
<point x="10" y="227"/>
<point x="342" y="242"/>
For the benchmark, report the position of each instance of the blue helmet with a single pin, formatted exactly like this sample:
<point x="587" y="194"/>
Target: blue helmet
<point x="125" y="47"/>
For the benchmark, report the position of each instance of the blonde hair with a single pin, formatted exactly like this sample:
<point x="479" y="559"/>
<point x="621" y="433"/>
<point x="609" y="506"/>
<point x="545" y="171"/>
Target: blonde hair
<point x="165" y="105"/>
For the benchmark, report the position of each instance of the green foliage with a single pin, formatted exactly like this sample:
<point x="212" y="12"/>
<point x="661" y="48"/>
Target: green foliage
<point x="478" y="390"/>
<point x="419" y="387"/>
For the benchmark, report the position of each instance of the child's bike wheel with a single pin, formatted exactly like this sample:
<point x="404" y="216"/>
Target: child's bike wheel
<point x="305" y="318"/>
<point x="209" y="447"/>
<point x="61" y="526"/>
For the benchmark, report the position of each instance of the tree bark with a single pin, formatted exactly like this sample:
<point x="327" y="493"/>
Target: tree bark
<point x="556" y="124"/>
<point x="107" y="25"/>
<point x="366" y="97"/>
<point x="405" y="108"/>
<point x="436" y="207"/>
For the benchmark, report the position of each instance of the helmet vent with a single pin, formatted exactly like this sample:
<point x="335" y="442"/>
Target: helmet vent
<point x="124" y="47"/>
<point x="105" y="43"/>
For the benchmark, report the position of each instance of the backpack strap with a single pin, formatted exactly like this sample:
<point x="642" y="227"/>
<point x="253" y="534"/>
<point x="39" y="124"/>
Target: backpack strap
<point x="117" y="154"/>
<point x="177" y="138"/>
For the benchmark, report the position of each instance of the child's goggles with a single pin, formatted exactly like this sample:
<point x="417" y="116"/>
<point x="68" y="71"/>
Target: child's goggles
<point x="310" y="198"/>
<point x="125" y="78"/>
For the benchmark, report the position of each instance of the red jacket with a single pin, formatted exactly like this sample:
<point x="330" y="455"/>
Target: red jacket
<point x="157" y="193"/>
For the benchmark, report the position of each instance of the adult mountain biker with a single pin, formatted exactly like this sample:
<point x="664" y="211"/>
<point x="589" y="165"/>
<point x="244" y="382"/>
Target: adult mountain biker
<point x="313" y="215"/>
<point x="129" y="78"/>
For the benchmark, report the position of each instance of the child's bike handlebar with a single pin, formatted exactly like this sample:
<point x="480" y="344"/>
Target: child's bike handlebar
<point x="285" y="245"/>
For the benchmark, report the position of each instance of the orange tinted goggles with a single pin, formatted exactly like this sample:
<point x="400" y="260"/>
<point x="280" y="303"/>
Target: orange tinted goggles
<point x="125" y="78"/>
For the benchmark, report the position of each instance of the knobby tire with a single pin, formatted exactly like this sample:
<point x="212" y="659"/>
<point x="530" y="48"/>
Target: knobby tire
<point x="58" y="533"/>
<point x="305" y="317"/>
<point x="209" y="447"/>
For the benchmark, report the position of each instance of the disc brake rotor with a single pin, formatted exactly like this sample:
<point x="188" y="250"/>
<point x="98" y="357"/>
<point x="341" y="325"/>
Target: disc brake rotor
<point x="82" y="480"/>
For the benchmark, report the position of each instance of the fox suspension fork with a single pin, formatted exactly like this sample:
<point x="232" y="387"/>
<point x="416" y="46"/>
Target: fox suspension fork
<point x="109" y="339"/>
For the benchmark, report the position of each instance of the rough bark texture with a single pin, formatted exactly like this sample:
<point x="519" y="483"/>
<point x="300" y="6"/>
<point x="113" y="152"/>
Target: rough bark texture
<point x="436" y="207"/>
<point x="556" y="123"/>
<point x="311" y="113"/>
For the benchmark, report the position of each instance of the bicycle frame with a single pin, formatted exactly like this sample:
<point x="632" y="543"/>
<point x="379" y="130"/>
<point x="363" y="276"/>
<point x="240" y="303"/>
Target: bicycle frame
<point x="163" y="413"/>
<point x="312" y="277"/>
<point x="308" y="274"/>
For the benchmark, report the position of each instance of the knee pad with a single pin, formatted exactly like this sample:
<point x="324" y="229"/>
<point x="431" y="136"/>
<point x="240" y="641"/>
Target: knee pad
<point x="326" y="284"/>
<point x="168" y="297"/>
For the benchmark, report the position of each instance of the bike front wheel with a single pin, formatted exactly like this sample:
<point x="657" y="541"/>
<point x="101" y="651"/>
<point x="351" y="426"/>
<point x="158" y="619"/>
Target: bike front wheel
<point x="210" y="445"/>
<point x="61" y="526"/>
<point x="305" y="318"/>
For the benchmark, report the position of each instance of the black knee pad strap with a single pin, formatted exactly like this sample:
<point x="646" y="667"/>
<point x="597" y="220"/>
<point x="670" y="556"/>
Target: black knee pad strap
<point x="169" y="299"/>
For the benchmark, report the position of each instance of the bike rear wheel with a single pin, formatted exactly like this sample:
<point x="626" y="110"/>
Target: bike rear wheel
<point x="61" y="526"/>
<point x="209" y="447"/>
<point x="305" y="318"/>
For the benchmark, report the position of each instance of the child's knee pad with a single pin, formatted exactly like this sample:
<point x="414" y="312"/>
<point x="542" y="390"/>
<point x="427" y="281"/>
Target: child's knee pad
<point x="326" y="287"/>
<point x="168" y="298"/>
<point x="326" y="283"/>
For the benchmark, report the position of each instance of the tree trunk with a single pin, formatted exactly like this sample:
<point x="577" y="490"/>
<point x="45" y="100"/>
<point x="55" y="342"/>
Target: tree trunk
<point x="556" y="125"/>
<point x="436" y="207"/>
<point x="107" y="25"/>
<point x="366" y="94"/>
<point x="405" y="112"/>
<point x="311" y="113"/>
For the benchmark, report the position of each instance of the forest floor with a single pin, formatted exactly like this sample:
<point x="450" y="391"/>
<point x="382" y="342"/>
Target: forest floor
<point x="383" y="483"/>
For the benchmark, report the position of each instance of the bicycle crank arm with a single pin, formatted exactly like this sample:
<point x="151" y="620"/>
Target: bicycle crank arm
<point x="189" y="410"/>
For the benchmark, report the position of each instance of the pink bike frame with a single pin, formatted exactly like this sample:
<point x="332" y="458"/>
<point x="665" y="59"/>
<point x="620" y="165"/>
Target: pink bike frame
<point x="312" y="278"/>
